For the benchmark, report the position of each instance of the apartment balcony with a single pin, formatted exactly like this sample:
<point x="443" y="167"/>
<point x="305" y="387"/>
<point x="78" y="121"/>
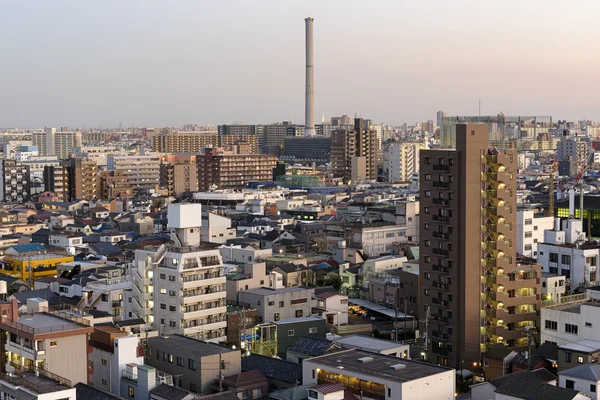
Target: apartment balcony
<point x="440" y="302"/>
<point x="439" y="336"/>
<point x="441" y="286"/>
<point x="440" y="185"/>
<point x="439" y="268"/>
<point x="189" y="315"/>
<point x="204" y="327"/>
<point x="440" y="235"/>
<point x="203" y="282"/>
<point x="441" y="218"/>
<point x="191" y="299"/>
<point x="440" y="252"/>
<point x="441" y="319"/>
<point x="440" y="202"/>
<point x="438" y="167"/>
<point x="25" y="351"/>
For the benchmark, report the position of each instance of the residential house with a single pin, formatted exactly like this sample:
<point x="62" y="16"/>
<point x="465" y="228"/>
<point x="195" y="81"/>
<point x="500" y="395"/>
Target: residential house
<point x="333" y="307"/>
<point x="583" y="378"/>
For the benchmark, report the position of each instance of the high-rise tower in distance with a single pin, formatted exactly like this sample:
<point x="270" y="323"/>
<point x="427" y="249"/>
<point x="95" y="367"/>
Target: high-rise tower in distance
<point x="309" y="111"/>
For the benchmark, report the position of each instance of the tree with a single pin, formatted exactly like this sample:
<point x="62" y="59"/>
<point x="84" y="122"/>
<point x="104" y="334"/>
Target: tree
<point x="334" y="281"/>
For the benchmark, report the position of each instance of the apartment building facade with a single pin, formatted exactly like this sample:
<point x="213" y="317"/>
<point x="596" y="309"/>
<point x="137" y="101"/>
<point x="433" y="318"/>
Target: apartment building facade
<point x="401" y="161"/>
<point x="474" y="289"/>
<point x="141" y="172"/>
<point x="223" y="170"/>
<point x="279" y="304"/>
<point x="184" y="142"/>
<point x="530" y="231"/>
<point x="14" y="182"/>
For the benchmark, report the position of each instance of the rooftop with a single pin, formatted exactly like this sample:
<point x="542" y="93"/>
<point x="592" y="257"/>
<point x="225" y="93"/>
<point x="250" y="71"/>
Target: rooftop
<point x="367" y="343"/>
<point x="46" y="323"/>
<point x="378" y="365"/>
<point x="267" y="291"/>
<point x="589" y="372"/>
<point x="585" y="346"/>
<point x="36" y="383"/>
<point x="178" y="344"/>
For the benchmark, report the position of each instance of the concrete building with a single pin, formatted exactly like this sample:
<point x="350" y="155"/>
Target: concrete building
<point x="475" y="290"/>
<point x="571" y="147"/>
<point x="250" y="275"/>
<point x="553" y="287"/>
<point x="374" y="238"/>
<point x="56" y="143"/>
<point x="111" y="351"/>
<point x="367" y="343"/>
<point x="14" y="182"/>
<point x="347" y="145"/>
<point x="54" y="342"/>
<point x="378" y="376"/>
<point x="56" y="180"/>
<point x="217" y="169"/>
<point x="530" y="231"/>
<point x="195" y="364"/>
<point x="333" y="307"/>
<point x="398" y="288"/>
<point x="308" y="149"/>
<point x="402" y="161"/>
<point x="181" y="288"/>
<point x="567" y="323"/>
<point x="179" y="179"/>
<point x="309" y="110"/>
<point x="140" y="172"/>
<point x="184" y="142"/>
<point x="27" y="385"/>
<point x="279" y="304"/>
<point x="216" y="228"/>
<point x="566" y="252"/>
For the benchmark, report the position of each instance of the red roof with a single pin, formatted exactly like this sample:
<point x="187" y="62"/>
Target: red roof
<point x="328" y="388"/>
<point x="326" y="295"/>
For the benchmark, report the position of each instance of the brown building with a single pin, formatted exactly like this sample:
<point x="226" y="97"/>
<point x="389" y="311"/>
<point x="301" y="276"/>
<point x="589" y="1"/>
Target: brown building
<point x="83" y="181"/>
<point x="115" y="184"/>
<point x="397" y="288"/>
<point x="346" y="146"/>
<point x="184" y="142"/>
<point x="246" y="143"/>
<point x="236" y="324"/>
<point x="56" y="180"/>
<point x="223" y="170"/>
<point x="478" y="296"/>
<point x="179" y="173"/>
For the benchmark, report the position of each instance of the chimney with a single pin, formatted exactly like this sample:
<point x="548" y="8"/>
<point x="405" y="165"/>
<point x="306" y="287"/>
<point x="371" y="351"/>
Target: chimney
<point x="309" y="111"/>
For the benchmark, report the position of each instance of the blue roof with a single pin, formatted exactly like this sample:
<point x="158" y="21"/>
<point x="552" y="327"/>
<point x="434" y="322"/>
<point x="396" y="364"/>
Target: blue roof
<point x="28" y="248"/>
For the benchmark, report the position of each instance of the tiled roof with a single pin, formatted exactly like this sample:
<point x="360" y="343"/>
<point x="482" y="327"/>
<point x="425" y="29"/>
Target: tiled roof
<point x="28" y="248"/>
<point x="244" y="379"/>
<point x="530" y="389"/>
<point x="589" y="372"/>
<point x="83" y="391"/>
<point x="311" y="346"/>
<point x="273" y="368"/>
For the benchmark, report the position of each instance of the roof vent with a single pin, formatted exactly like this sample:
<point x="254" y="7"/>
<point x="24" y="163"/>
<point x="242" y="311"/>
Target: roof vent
<point x="340" y="367"/>
<point x="397" y="367"/>
<point x="365" y="360"/>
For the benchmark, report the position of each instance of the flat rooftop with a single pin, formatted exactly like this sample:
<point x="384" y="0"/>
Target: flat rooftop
<point x="47" y="323"/>
<point x="38" y="384"/>
<point x="193" y="348"/>
<point x="585" y="346"/>
<point x="377" y="365"/>
<point x="368" y="343"/>
<point x="267" y="291"/>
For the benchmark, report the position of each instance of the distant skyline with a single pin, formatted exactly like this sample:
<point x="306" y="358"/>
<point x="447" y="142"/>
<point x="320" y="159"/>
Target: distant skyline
<point x="162" y="63"/>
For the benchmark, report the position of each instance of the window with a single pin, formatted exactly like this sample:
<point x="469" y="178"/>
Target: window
<point x="570" y="328"/>
<point x="281" y="304"/>
<point x="53" y="344"/>
<point x="427" y="161"/>
<point x="389" y="392"/>
<point x="565" y="259"/>
<point x="569" y="384"/>
<point x="271" y="303"/>
<point x="172" y="278"/>
<point x="163" y="291"/>
<point x="528" y="234"/>
<point x="535" y="227"/>
<point x="426" y="226"/>
<point x="451" y="162"/>
<point x="593" y="388"/>
<point x="427" y="259"/>
<point x="528" y="221"/>
<point x="104" y="297"/>
<point x="312" y="330"/>
<point x="426" y="210"/>
<point x="163" y="306"/>
<point x="179" y="361"/>
<point x="163" y="276"/>
<point x="191" y="364"/>
<point x="428" y="193"/>
<point x="567" y="356"/>
<point x="580" y="359"/>
<point x="427" y="177"/>
<point x="527" y="247"/>
<point x="588" y="324"/>
<point x="299" y="313"/>
<point x="103" y="361"/>
<point x="426" y="292"/>
<point x="104" y="382"/>
<point x="171" y="293"/>
<point x="131" y="391"/>
<point x="553" y="257"/>
<point x="427" y="275"/>
<point x="427" y="243"/>
<point x="276" y="316"/>
<point x="553" y="325"/>
<point x="172" y="308"/>
<point x="291" y="332"/>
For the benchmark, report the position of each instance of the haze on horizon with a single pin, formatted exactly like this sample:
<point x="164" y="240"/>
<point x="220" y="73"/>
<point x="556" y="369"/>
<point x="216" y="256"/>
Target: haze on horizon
<point x="150" y="63"/>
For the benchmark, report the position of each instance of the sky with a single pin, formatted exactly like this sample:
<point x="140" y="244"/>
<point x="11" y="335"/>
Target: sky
<point x="174" y="62"/>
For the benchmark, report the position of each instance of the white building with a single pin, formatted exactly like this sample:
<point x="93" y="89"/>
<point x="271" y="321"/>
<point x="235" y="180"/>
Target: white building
<point x="566" y="253"/>
<point x="181" y="288"/>
<point x="97" y="153"/>
<point x="68" y="242"/>
<point x="333" y="307"/>
<point x="402" y="161"/>
<point x="553" y="287"/>
<point x="573" y="322"/>
<point x="279" y="304"/>
<point x="375" y="266"/>
<point x="56" y="143"/>
<point x="239" y="253"/>
<point x="216" y="228"/>
<point x="530" y="231"/>
<point x="13" y="146"/>
<point x="585" y="378"/>
<point x="111" y="351"/>
<point x="378" y="376"/>
<point x="571" y="147"/>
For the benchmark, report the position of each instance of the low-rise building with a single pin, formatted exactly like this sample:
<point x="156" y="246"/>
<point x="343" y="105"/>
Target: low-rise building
<point x="333" y="307"/>
<point x="279" y="304"/>
<point x="572" y="320"/>
<point x="378" y="376"/>
<point x="196" y="364"/>
<point x="583" y="378"/>
<point x="576" y="353"/>
<point x="531" y="226"/>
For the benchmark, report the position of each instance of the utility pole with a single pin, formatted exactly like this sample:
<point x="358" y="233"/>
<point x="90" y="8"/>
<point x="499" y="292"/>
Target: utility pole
<point x="220" y="372"/>
<point x="405" y="314"/>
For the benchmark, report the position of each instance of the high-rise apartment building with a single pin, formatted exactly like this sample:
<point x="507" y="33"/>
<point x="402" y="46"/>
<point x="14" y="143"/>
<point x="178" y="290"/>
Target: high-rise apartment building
<point x="14" y="182"/>
<point x="223" y="170"/>
<point x="184" y="142"/>
<point x="115" y="184"/>
<point x="83" y="179"/>
<point x="401" y="161"/>
<point x="346" y="145"/>
<point x="179" y="173"/>
<point x="245" y="131"/>
<point x="180" y="288"/>
<point x="142" y="172"/>
<point x="53" y="143"/>
<point x="475" y="291"/>
<point x="572" y="148"/>
<point x="56" y="180"/>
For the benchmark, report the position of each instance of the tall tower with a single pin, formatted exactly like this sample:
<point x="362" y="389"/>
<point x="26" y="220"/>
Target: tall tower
<point x="478" y="294"/>
<point x="309" y="111"/>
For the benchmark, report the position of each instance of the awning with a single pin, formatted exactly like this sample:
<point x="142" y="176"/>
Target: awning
<point x="390" y="312"/>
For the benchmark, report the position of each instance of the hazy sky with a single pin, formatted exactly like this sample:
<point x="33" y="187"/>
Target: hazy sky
<point x="171" y="62"/>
